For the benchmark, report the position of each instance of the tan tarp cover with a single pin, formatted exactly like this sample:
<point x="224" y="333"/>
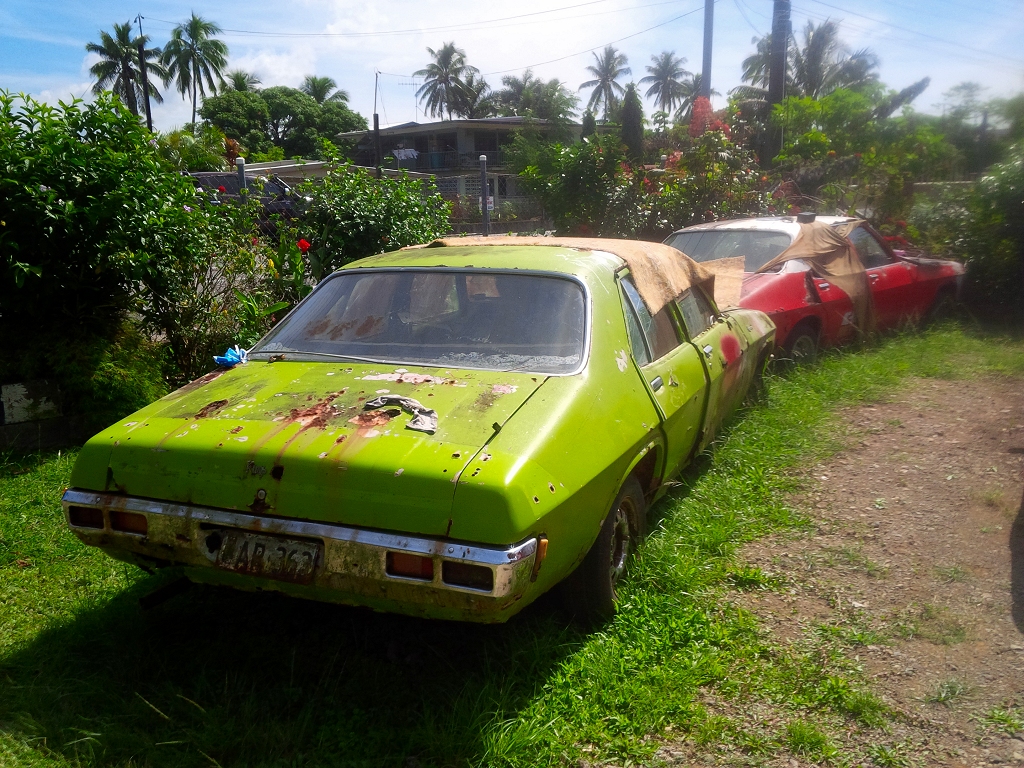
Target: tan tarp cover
<point x="658" y="272"/>
<point x="831" y="256"/>
<point x="728" y="279"/>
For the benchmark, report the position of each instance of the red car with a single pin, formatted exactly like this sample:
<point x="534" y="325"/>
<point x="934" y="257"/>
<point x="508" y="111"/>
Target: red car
<point x="809" y="312"/>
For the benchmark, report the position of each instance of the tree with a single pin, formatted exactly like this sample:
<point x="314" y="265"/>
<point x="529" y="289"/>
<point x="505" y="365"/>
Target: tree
<point x="322" y="89"/>
<point x="187" y="151"/>
<point x="589" y="127"/>
<point x="690" y="91"/>
<point x="118" y="67"/>
<point x="530" y="96"/>
<point x="242" y="116"/>
<point x="607" y="69"/>
<point x="632" y="118"/>
<point x="477" y="102"/>
<point x="819" y="66"/>
<point x="240" y="80"/>
<point x="665" y="77"/>
<point x="194" y="57"/>
<point x="279" y="117"/>
<point x="444" y="87"/>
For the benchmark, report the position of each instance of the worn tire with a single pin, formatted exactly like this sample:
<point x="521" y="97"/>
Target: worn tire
<point x="590" y="592"/>
<point x="801" y="345"/>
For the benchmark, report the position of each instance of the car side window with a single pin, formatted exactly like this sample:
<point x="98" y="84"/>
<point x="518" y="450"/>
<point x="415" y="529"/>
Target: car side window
<point x="659" y="331"/>
<point x="871" y="253"/>
<point x="696" y="311"/>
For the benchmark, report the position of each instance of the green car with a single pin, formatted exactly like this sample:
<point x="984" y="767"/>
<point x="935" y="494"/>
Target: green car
<point x="442" y="431"/>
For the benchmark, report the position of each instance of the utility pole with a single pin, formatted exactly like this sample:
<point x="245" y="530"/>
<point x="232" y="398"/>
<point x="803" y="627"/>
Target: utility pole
<point x="144" y="75"/>
<point x="709" y="26"/>
<point x="378" y="158"/>
<point x="777" y="71"/>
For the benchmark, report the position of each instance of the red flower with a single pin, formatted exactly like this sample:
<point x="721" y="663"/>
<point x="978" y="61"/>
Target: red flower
<point x="222" y="188"/>
<point x="303" y="245"/>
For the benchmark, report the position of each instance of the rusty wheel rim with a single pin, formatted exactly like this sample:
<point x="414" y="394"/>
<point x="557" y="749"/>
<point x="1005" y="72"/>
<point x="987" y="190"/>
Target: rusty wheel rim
<point x="621" y="542"/>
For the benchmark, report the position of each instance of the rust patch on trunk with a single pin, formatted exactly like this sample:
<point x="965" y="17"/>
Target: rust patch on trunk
<point x="210" y="408"/>
<point x="316" y="415"/>
<point x="374" y="418"/>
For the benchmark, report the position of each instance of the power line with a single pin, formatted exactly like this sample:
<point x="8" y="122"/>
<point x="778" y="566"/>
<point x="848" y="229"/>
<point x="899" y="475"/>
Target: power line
<point x="594" y="48"/>
<point x="461" y="27"/>
<point x="908" y="43"/>
<point x="916" y="32"/>
<point x="415" y="30"/>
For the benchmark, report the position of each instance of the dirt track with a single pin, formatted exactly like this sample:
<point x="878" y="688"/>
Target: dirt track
<point x="920" y="539"/>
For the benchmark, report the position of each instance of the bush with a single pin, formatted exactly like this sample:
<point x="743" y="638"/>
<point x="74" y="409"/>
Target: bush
<point x="588" y="188"/>
<point x="349" y="214"/>
<point x="183" y="150"/>
<point x="984" y="227"/>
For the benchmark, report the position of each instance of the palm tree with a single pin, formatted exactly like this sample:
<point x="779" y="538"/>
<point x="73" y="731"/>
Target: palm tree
<point x="477" y="101"/>
<point x="444" y="86"/>
<point x="240" y="80"/>
<point x="665" y="78"/>
<point x="118" y="67"/>
<point x="322" y="89"/>
<point x="815" y="69"/>
<point x="193" y="56"/>
<point x="516" y="88"/>
<point x="608" y="67"/>
<point x="824" y="64"/>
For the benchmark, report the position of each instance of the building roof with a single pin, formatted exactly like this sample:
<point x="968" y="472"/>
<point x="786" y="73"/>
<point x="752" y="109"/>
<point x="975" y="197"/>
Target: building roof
<point x="449" y="125"/>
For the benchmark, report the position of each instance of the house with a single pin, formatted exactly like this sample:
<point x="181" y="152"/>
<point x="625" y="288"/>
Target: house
<point x="451" y="149"/>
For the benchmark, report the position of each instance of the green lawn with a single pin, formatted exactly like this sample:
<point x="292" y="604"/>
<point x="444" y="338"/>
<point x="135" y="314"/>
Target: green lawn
<point x="218" y="678"/>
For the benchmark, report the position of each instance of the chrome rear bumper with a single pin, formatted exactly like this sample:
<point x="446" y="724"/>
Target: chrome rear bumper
<point x="353" y="569"/>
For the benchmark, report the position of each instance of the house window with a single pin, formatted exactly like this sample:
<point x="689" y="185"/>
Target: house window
<point x="485" y="141"/>
<point x="503" y="186"/>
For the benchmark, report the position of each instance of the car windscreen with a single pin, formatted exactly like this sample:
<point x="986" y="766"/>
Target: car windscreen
<point x="757" y="246"/>
<point x="480" y="319"/>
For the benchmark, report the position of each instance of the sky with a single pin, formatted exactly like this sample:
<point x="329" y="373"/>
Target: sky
<point x="42" y="44"/>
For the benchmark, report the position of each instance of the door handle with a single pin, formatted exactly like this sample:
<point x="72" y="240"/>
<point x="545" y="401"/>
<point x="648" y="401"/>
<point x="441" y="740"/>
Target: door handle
<point x="873" y="277"/>
<point x="657" y="383"/>
<point x="823" y="286"/>
<point x="708" y="351"/>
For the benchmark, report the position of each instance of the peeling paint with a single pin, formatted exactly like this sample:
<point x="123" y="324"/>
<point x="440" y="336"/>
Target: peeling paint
<point x="374" y="418"/>
<point x="621" y="360"/>
<point x="399" y="471"/>
<point x="504" y="389"/>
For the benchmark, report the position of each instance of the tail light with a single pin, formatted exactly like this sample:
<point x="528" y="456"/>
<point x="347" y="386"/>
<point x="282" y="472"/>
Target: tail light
<point x="85" y="517"/>
<point x="410" y="566"/>
<point x="129" y="522"/>
<point x="466" y="575"/>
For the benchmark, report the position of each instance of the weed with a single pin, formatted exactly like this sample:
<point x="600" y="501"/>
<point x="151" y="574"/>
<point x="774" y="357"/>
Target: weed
<point x="747" y="578"/>
<point x="1009" y="720"/>
<point x="993" y="498"/>
<point x="950" y="574"/>
<point x="889" y="755"/>
<point x="947" y="692"/>
<point x="937" y="625"/>
<point x="894" y="422"/>
<point x="804" y="738"/>
<point x="855" y="558"/>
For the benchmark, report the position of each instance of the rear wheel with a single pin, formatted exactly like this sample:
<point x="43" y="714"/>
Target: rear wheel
<point x="591" y="591"/>
<point x="802" y="344"/>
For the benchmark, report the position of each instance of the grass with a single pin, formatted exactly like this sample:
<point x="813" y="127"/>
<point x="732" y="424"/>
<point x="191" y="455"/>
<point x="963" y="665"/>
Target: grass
<point x="1007" y="720"/>
<point x="951" y="574"/>
<point x="231" y="679"/>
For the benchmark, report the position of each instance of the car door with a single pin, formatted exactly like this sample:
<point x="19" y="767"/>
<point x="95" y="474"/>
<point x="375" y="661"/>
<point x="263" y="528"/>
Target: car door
<point x="729" y="370"/>
<point x="891" y="280"/>
<point x="672" y="369"/>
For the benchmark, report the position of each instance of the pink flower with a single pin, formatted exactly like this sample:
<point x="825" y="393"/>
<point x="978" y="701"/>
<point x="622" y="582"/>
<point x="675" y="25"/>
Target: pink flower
<point x="222" y="188"/>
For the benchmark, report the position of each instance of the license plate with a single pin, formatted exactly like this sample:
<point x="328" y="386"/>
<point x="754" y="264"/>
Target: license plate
<point x="272" y="557"/>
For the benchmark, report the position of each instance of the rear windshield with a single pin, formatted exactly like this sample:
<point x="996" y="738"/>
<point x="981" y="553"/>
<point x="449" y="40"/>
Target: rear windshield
<point x="759" y="247"/>
<point x="453" y="319"/>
